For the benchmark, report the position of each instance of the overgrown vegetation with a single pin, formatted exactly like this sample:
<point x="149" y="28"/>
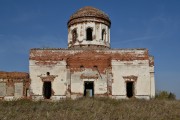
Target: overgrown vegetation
<point x="165" y="95"/>
<point x="91" y="109"/>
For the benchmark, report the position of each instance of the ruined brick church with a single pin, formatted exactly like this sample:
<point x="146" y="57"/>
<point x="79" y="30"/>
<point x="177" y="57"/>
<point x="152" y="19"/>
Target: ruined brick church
<point x="88" y="67"/>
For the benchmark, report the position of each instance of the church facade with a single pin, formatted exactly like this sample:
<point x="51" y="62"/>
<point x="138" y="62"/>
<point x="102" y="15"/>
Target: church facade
<point x="89" y="67"/>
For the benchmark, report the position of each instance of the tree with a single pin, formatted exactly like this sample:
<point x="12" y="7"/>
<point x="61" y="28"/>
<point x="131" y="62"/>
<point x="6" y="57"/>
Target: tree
<point x="165" y="95"/>
<point x="172" y="96"/>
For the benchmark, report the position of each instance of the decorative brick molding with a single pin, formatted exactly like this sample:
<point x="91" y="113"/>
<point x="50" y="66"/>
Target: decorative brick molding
<point x="48" y="78"/>
<point x="130" y="78"/>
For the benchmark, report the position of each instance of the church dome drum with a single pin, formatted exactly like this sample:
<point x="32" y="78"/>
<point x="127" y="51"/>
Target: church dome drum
<point x="89" y="27"/>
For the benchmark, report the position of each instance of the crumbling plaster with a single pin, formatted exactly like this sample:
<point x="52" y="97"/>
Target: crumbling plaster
<point x="112" y="65"/>
<point x="14" y="85"/>
<point x="96" y="33"/>
<point x="63" y="73"/>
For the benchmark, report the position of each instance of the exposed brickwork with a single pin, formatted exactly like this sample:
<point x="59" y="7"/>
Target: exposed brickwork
<point x="88" y="77"/>
<point x="10" y="78"/>
<point x="86" y="58"/>
<point x="89" y="59"/>
<point x="88" y="14"/>
<point x="14" y="75"/>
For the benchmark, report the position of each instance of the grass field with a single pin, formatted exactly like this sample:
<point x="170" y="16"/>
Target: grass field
<point x="90" y="109"/>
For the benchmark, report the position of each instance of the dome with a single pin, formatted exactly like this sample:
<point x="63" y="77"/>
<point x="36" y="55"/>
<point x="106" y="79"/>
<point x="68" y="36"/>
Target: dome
<point x="88" y="13"/>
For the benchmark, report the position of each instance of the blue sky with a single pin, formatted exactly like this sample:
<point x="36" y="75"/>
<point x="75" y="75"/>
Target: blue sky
<point x="152" y="24"/>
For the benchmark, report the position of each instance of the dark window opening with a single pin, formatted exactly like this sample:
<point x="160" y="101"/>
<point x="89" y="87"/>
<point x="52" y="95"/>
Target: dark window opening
<point x="88" y="88"/>
<point x="130" y="89"/>
<point x="48" y="73"/>
<point x="81" y="66"/>
<point x="89" y="34"/>
<point x="95" y="67"/>
<point x="27" y="91"/>
<point x="103" y="34"/>
<point x="47" y="90"/>
<point x="74" y="35"/>
<point x="67" y="66"/>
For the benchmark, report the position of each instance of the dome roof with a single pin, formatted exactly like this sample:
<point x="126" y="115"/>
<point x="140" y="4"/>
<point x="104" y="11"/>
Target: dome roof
<point x="89" y="12"/>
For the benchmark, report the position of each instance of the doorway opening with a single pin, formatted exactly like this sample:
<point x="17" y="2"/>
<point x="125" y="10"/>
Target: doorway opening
<point x="47" y="90"/>
<point x="130" y="89"/>
<point x="88" y="88"/>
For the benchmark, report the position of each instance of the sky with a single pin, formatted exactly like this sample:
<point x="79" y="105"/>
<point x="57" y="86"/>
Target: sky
<point x="151" y="24"/>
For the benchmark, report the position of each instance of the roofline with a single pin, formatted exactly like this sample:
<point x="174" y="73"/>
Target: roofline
<point x="88" y="49"/>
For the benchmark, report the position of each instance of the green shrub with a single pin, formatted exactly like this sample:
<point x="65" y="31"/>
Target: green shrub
<point x="165" y="95"/>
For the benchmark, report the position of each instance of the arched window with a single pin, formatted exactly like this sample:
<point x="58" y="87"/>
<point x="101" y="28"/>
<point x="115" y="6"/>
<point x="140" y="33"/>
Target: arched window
<point x="74" y="35"/>
<point x="48" y="73"/>
<point x="89" y="34"/>
<point x="103" y="34"/>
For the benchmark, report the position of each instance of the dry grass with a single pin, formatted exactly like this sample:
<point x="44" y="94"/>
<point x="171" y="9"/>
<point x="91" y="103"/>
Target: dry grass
<point x="90" y="109"/>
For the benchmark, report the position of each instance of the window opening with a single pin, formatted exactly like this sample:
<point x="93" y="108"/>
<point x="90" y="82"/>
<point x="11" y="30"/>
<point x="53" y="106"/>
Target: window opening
<point x="95" y="67"/>
<point x="48" y="73"/>
<point x="74" y="35"/>
<point x="81" y="66"/>
<point x="89" y="34"/>
<point x="103" y="34"/>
